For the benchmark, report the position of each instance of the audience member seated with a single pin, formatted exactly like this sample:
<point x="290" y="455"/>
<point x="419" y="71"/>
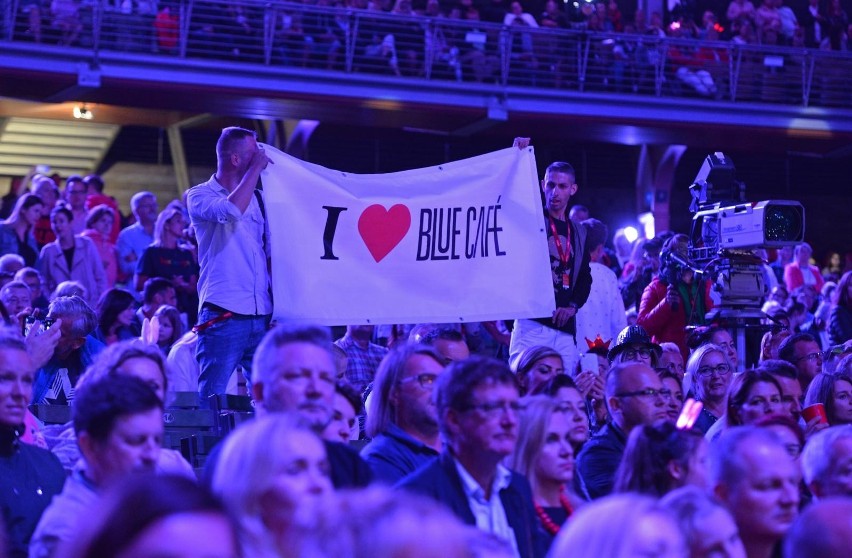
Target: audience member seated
<point x="16" y="297"/>
<point x="840" y="318"/>
<point x="274" y="476"/>
<point x="477" y="405"/>
<point x="660" y="458"/>
<point x="645" y="529"/>
<point x="17" y="232"/>
<point x="76" y="350"/>
<point x="32" y="278"/>
<point x="834" y="392"/>
<point x="133" y="358"/>
<point x="344" y="420"/>
<point x="149" y="515"/>
<point x="183" y="369"/>
<point x="536" y="366"/>
<point x="170" y="327"/>
<point x="293" y="372"/>
<point x="671" y="359"/>
<point x="115" y="312"/>
<point x="752" y="395"/>
<point x="634" y="396"/>
<point x="363" y="356"/>
<point x="634" y="345"/>
<point x="380" y="522"/>
<point x="10" y="264"/>
<point x="791" y="390"/>
<point x="401" y="416"/>
<point x="708" y="376"/>
<point x="544" y="454"/>
<point x="826" y="460"/>
<point x="571" y="402"/>
<point x="706" y="524"/>
<point x="770" y="344"/>
<point x="166" y="258"/>
<point x="673" y="383"/>
<point x="743" y="462"/>
<point x="71" y="258"/>
<point x="448" y="342"/>
<point x="822" y="531"/>
<point x="802" y="351"/>
<point x="98" y="227"/>
<point x="108" y="413"/>
<point x="29" y="476"/>
<point x="156" y="293"/>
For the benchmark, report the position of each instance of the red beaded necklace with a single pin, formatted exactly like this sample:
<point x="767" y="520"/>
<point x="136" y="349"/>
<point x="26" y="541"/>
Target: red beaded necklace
<point x="549" y="525"/>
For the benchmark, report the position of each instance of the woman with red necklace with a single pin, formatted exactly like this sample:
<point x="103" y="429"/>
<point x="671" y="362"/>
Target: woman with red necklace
<point x="545" y="455"/>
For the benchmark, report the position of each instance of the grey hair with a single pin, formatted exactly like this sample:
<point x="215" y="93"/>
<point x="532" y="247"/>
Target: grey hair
<point x="819" y="452"/>
<point x="74" y="309"/>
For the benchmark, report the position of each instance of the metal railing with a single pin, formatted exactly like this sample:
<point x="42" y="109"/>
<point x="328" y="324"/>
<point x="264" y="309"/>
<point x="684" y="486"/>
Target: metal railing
<point x="284" y="34"/>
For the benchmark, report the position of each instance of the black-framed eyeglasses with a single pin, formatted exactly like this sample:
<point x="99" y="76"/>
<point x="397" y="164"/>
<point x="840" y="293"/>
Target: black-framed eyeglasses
<point x="426" y="380"/>
<point x="496" y="408"/>
<point x="720" y="370"/>
<point x="630" y="354"/>
<point x="650" y="393"/>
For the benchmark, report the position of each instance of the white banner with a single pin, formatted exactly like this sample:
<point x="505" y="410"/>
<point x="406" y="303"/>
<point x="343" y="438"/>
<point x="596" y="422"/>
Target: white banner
<point x="458" y="242"/>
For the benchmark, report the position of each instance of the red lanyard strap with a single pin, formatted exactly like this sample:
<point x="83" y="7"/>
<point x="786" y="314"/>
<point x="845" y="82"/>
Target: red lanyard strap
<point x="564" y="253"/>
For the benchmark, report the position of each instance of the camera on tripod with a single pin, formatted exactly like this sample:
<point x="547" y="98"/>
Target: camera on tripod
<point x="726" y="229"/>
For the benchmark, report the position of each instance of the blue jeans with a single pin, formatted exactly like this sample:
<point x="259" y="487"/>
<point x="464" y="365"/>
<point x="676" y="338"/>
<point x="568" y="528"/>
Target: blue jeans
<point x="224" y="345"/>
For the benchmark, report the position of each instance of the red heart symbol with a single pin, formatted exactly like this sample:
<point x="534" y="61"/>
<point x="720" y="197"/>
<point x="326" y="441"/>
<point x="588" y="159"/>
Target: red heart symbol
<point x="382" y="229"/>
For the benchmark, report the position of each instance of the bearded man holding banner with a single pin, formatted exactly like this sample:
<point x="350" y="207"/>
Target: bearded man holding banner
<point x="569" y="267"/>
<point x="229" y="218"/>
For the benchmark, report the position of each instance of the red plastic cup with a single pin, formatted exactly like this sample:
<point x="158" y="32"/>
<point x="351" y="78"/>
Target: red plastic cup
<point x="815" y="410"/>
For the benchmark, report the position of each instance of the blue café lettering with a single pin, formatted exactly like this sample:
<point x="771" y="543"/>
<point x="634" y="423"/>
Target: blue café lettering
<point x="443" y="234"/>
<point x="442" y="231"/>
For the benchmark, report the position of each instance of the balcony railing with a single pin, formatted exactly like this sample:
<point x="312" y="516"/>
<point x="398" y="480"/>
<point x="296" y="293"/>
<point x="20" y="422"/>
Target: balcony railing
<point x="445" y="49"/>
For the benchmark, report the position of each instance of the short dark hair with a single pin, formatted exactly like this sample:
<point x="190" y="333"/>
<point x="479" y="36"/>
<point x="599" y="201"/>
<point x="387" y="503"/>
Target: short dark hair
<point x="781" y="368"/>
<point x="456" y="385"/>
<point x="61" y="209"/>
<point x="155" y="286"/>
<point x="140" y="501"/>
<point x="345" y="390"/>
<point x="560" y="166"/>
<point x="788" y="347"/>
<point x="99" y="403"/>
<point x="95" y="181"/>
<point x="230" y="137"/>
<point x="596" y="233"/>
<point x="445" y="333"/>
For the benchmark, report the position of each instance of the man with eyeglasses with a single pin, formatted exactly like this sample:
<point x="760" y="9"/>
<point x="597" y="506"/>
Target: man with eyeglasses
<point x="635" y="396"/>
<point x="802" y="351"/>
<point x="477" y="405"/>
<point x="16" y="297"/>
<point x="401" y="416"/>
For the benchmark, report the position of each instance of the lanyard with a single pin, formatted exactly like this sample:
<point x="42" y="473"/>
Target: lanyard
<point x="564" y="254"/>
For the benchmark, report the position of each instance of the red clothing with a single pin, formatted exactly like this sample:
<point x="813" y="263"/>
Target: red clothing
<point x="793" y="277"/>
<point x="93" y="200"/>
<point x="662" y="322"/>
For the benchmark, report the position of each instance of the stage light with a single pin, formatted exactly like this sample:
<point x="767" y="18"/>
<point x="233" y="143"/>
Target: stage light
<point x="83" y="112"/>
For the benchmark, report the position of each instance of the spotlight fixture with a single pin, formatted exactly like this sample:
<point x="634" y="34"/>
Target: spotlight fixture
<point x="83" y="112"/>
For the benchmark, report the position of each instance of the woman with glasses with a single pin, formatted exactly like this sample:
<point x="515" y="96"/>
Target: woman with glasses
<point x="661" y="457"/>
<point x="753" y="395"/>
<point x="544" y="453"/>
<point x="834" y="391"/>
<point x="708" y="375"/>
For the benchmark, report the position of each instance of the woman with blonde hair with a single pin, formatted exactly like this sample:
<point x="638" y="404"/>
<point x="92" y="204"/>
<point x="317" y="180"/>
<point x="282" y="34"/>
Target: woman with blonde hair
<point x="708" y="375"/>
<point x="273" y="474"/>
<point x="544" y="453"/>
<point x="643" y="529"/>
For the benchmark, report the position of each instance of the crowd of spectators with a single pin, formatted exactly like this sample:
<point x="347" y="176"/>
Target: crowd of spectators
<point x="626" y="424"/>
<point x="445" y="39"/>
